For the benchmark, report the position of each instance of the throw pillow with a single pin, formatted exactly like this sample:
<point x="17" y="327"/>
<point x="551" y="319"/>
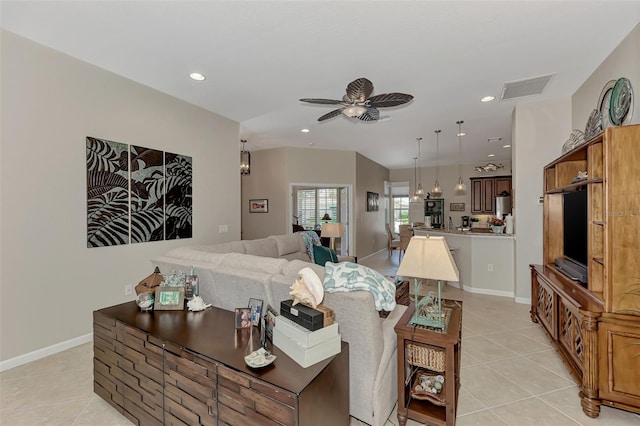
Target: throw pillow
<point x="322" y="255"/>
<point x="347" y="276"/>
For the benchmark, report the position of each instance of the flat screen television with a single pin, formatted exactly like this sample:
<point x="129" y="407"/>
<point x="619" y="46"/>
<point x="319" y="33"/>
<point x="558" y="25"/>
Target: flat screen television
<point x="575" y="234"/>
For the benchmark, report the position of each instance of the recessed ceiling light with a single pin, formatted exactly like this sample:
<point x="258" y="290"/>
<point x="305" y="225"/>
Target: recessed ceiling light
<point x="305" y="130"/>
<point x="197" y="76"/>
<point x="491" y="155"/>
<point x="506" y="146"/>
<point x="487" y="99"/>
<point x="461" y="134"/>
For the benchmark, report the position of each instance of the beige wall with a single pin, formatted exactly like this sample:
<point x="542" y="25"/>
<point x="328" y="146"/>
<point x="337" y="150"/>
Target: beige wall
<point x="50" y="282"/>
<point x="268" y="179"/>
<point x="539" y="130"/>
<point x="624" y="61"/>
<point x="371" y="234"/>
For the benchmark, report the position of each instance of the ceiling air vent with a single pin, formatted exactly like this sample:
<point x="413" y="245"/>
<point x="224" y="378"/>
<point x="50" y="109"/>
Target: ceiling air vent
<point x="527" y="87"/>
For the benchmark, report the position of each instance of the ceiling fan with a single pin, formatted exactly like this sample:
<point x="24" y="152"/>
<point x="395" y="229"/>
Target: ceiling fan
<point x="358" y="102"/>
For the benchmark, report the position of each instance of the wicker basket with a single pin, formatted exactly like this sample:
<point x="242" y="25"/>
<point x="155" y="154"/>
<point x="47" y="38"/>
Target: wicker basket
<point x="426" y="357"/>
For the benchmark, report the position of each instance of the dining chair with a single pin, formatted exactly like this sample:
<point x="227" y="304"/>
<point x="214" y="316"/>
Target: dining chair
<point x="392" y="241"/>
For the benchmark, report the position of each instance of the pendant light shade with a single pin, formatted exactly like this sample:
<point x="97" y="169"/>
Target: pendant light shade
<point x="460" y="188"/>
<point x="419" y="191"/>
<point x="436" y="191"/>
<point x="415" y="197"/>
<point x="245" y="160"/>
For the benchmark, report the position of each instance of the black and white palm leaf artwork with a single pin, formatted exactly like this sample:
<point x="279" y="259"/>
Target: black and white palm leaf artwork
<point x="107" y="193"/>
<point x="358" y="102"/>
<point x="147" y="187"/>
<point x="178" y="202"/>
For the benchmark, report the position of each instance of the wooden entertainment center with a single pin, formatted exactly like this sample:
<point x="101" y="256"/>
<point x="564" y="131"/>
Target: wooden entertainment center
<point x="596" y="327"/>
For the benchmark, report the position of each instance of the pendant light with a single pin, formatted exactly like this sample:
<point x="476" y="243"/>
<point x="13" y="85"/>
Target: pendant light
<point x="419" y="191"/>
<point x="460" y="188"/>
<point x="415" y="198"/>
<point x="436" y="191"/>
<point x="245" y="160"/>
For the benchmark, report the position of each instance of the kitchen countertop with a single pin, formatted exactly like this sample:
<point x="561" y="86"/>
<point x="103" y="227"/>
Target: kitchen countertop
<point x="474" y="232"/>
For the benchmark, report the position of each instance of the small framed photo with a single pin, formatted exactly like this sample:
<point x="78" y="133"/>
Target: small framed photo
<point x="243" y="317"/>
<point x="269" y="322"/>
<point x="169" y="298"/>
<point x="191" y="287"/>
<point x="456" y="207"/>
<point x="256" y="310"/>
<point x="259" y="206"/>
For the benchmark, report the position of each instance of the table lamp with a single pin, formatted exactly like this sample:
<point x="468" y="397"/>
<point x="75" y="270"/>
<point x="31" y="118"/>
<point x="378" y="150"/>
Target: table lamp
<point x="332" y="230"/>
<point x="428" y="257"/>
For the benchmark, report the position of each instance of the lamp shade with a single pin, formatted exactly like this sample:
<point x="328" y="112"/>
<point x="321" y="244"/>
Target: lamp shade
<point x="332" y="230"/>
<point x="428" y="257"/>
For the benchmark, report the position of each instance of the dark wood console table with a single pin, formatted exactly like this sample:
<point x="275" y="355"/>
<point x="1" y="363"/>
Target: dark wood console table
<point x="181" y="367"/>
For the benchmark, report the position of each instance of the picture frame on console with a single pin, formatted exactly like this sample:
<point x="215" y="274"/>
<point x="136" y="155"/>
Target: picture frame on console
<point x="256" y="310"/>
<point x="270" y="322"/>
<point x="243" y="317"/>
<point x="169" y="298"/>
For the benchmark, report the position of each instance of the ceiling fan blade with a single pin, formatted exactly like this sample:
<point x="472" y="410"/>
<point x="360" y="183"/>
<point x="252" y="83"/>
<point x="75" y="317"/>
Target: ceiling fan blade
<point x="331" y="114"/>
<point x="389" y="99"/>
<point x="321" y="101"/>
<point x="359" y="90"/>
<point x="372" y="114"/>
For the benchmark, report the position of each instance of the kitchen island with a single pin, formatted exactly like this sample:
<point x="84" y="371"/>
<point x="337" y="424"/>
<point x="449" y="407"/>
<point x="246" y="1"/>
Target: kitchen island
<point x="485" y="260"/>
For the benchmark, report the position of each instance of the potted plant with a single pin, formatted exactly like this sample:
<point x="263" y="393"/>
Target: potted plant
<point x="497" y="225"/>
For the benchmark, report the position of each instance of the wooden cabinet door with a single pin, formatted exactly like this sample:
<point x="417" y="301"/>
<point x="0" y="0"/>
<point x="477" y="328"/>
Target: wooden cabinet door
<point x="503" y="184"/>
<point x="618" y="361"/>
<point x="476" y="195"/>
<point x="488" y="195"/>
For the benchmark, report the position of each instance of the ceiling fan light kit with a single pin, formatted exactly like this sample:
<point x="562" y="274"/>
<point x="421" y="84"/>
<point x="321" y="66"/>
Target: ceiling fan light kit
<point x="358" y="102"/>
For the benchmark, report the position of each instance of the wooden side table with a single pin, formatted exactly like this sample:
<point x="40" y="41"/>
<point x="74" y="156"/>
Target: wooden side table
<point x="428" y="351"/>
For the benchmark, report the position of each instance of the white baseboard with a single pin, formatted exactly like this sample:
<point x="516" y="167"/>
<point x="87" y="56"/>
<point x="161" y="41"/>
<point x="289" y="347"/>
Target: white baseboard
<point x="45" y="352"/>
<point x="523" y="300"/>
<point x="489" y="292"/>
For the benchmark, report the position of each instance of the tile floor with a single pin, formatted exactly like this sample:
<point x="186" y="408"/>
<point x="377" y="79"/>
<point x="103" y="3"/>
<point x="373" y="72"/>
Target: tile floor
<point x="510" y="376"/>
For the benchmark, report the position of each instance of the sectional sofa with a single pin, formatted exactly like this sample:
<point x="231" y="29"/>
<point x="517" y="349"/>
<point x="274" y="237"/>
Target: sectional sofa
<point x="231" y="273"/>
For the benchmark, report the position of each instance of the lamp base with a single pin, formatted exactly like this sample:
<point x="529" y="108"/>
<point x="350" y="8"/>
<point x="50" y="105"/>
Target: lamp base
<point x="428" y="310"/>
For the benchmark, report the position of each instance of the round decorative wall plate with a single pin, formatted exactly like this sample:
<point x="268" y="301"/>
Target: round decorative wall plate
<point x="594" y="125"/>
<point x="604" y="102"/>
<point x="621" y="101"/>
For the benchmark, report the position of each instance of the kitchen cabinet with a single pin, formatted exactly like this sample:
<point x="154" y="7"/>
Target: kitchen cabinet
<point x="484" y="192"/>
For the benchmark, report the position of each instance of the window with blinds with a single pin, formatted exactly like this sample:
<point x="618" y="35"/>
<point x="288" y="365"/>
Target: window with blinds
<point x="313" y="203"/>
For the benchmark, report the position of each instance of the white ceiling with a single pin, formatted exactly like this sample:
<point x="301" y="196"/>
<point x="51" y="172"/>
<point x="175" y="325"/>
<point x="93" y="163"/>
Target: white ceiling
<point x="261" y="57"/>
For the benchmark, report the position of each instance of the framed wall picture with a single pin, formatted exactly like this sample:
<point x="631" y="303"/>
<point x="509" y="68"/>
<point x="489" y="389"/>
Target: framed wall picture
<point x="456" y="207"/>
<point x="169" y="298"/>
<point x="256" y="310"/>
<point x="259" y="206"/>
<point x="243" y="317"/>
<point x="372" y="201"/>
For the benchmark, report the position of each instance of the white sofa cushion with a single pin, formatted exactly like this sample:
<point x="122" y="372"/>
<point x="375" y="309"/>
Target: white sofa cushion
<point x="265" y="247"/>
